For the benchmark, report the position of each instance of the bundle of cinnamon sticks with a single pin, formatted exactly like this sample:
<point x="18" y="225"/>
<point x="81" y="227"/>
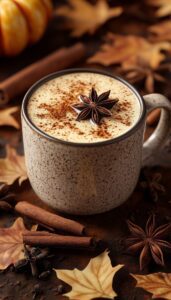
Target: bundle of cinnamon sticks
<point x="53" y="222"/>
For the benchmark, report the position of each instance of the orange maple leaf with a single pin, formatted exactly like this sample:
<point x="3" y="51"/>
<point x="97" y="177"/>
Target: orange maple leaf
<point x="12" y="167"/>
<point x="83" y="17"/>
<point x="11" y="244"/>
<point x="130" y="51"/>
<point x="158" y="284"/>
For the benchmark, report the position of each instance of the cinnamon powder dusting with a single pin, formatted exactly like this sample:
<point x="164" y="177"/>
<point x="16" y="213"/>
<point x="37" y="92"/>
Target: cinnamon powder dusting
<point x="51" y="109"/>
<point x="102" y="131"/>
<point x="60" y="109"/>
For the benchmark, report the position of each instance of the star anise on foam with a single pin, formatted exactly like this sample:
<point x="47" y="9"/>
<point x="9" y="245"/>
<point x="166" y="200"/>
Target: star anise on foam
<point x="94" y="107"/>
<point x="149" y="242"/>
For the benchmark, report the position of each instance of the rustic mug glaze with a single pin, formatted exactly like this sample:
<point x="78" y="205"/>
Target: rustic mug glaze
<point x="90" y="178"/>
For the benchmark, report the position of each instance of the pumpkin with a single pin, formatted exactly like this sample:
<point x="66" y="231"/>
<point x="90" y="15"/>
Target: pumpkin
<point x="22" y="22"/>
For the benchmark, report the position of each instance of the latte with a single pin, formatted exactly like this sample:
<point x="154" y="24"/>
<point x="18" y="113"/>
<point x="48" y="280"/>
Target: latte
<point x="50" y="108"/>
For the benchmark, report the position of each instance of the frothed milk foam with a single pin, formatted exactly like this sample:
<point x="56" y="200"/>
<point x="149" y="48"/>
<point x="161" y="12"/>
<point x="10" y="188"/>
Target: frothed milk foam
<point x="49" y="108"/>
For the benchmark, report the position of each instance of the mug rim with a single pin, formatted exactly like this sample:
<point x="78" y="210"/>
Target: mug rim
<point x="37" y="84"/>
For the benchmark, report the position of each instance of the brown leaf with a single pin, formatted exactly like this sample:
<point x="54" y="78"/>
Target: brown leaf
<point x="130" y="51"/>
<point x="164" y="7"/>
<point x="12" y="167"/>
<point x="83" y="17"/>
<point x="158" y="284"/>
<point x="11" y="244"/>
<point x="94" y="281"/>
<point x="161" y="31"/>
<point x="6" y="117"/>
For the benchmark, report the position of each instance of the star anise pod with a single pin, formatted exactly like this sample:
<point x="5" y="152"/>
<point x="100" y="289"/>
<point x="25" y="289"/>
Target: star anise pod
<point x="94" y="107"/>
<point x="149" y="242"/>
<point x="136" y="74"/>
<point x="151" y="184"/>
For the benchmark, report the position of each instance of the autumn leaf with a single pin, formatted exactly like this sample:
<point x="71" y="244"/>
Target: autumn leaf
<point x="164" y="7"/>
<point x="158" y="284"/>
<point x="130" y="51"/>
<point x="6" y="117"/>
<point x="92" y="282"/>
<point x="83" y="17"/>
<point x="11" y="244"/>
<point x="161" y="31"/>
<point x="12" y="167"/>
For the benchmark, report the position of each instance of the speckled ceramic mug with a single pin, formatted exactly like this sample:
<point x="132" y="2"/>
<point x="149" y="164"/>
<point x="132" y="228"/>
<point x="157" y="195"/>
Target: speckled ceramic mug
<point x="90" y="178"/>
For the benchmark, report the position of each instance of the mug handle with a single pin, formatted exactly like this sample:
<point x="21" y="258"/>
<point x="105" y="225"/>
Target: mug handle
<point x="156" y="140"/>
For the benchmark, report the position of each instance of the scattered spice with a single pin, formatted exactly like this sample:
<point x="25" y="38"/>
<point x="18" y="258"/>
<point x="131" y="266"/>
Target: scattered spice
<point x="45" y="274"/>
<point x="37" y="291"/>
<point x="149" y="242"/>
<point x="151" y="184"/>
<point x="94" y="107"/>
<point x="31" y="261"/>
<point x="60" y="289"/>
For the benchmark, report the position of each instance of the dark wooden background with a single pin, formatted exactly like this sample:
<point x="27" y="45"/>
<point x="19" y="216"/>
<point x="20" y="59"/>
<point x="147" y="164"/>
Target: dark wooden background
<point x="110" y="227"/>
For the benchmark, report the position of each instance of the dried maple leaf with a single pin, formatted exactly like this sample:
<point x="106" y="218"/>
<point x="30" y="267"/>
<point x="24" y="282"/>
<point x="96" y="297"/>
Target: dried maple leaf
<point x="130" y="51"/>
<point x="7" y="119"/>
<point x="12" y="167"/>
<point x="164" y="7"/>
<point x="84" y="17"/>
<point x="161" y="31"/>
<point x="92" y="282"/>
<point x="11" y="244"/>
<point x="158" y="284"/>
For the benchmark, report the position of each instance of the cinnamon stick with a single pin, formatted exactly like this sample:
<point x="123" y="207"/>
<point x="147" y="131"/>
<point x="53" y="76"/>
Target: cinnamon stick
<point x="38" y="238"/>
<point x="42" y="216"/>
<point x="22" y="80"/>
<point x="153" y="117"/>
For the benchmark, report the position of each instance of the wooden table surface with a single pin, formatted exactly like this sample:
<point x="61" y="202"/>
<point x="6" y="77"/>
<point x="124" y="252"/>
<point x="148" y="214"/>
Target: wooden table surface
<point x="110" y="227"/>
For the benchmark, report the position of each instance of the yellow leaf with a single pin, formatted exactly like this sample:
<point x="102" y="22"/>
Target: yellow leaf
<point x="158" y="284"/>
<point x="92" y="282"/>
<point x="164" y="7"/>
<point x="11" y="244"/>
<point x="12" y="167"/>
<point x="130" y="51"/>
<point x="6" y="117"/>
<point x="83" y="17"/>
